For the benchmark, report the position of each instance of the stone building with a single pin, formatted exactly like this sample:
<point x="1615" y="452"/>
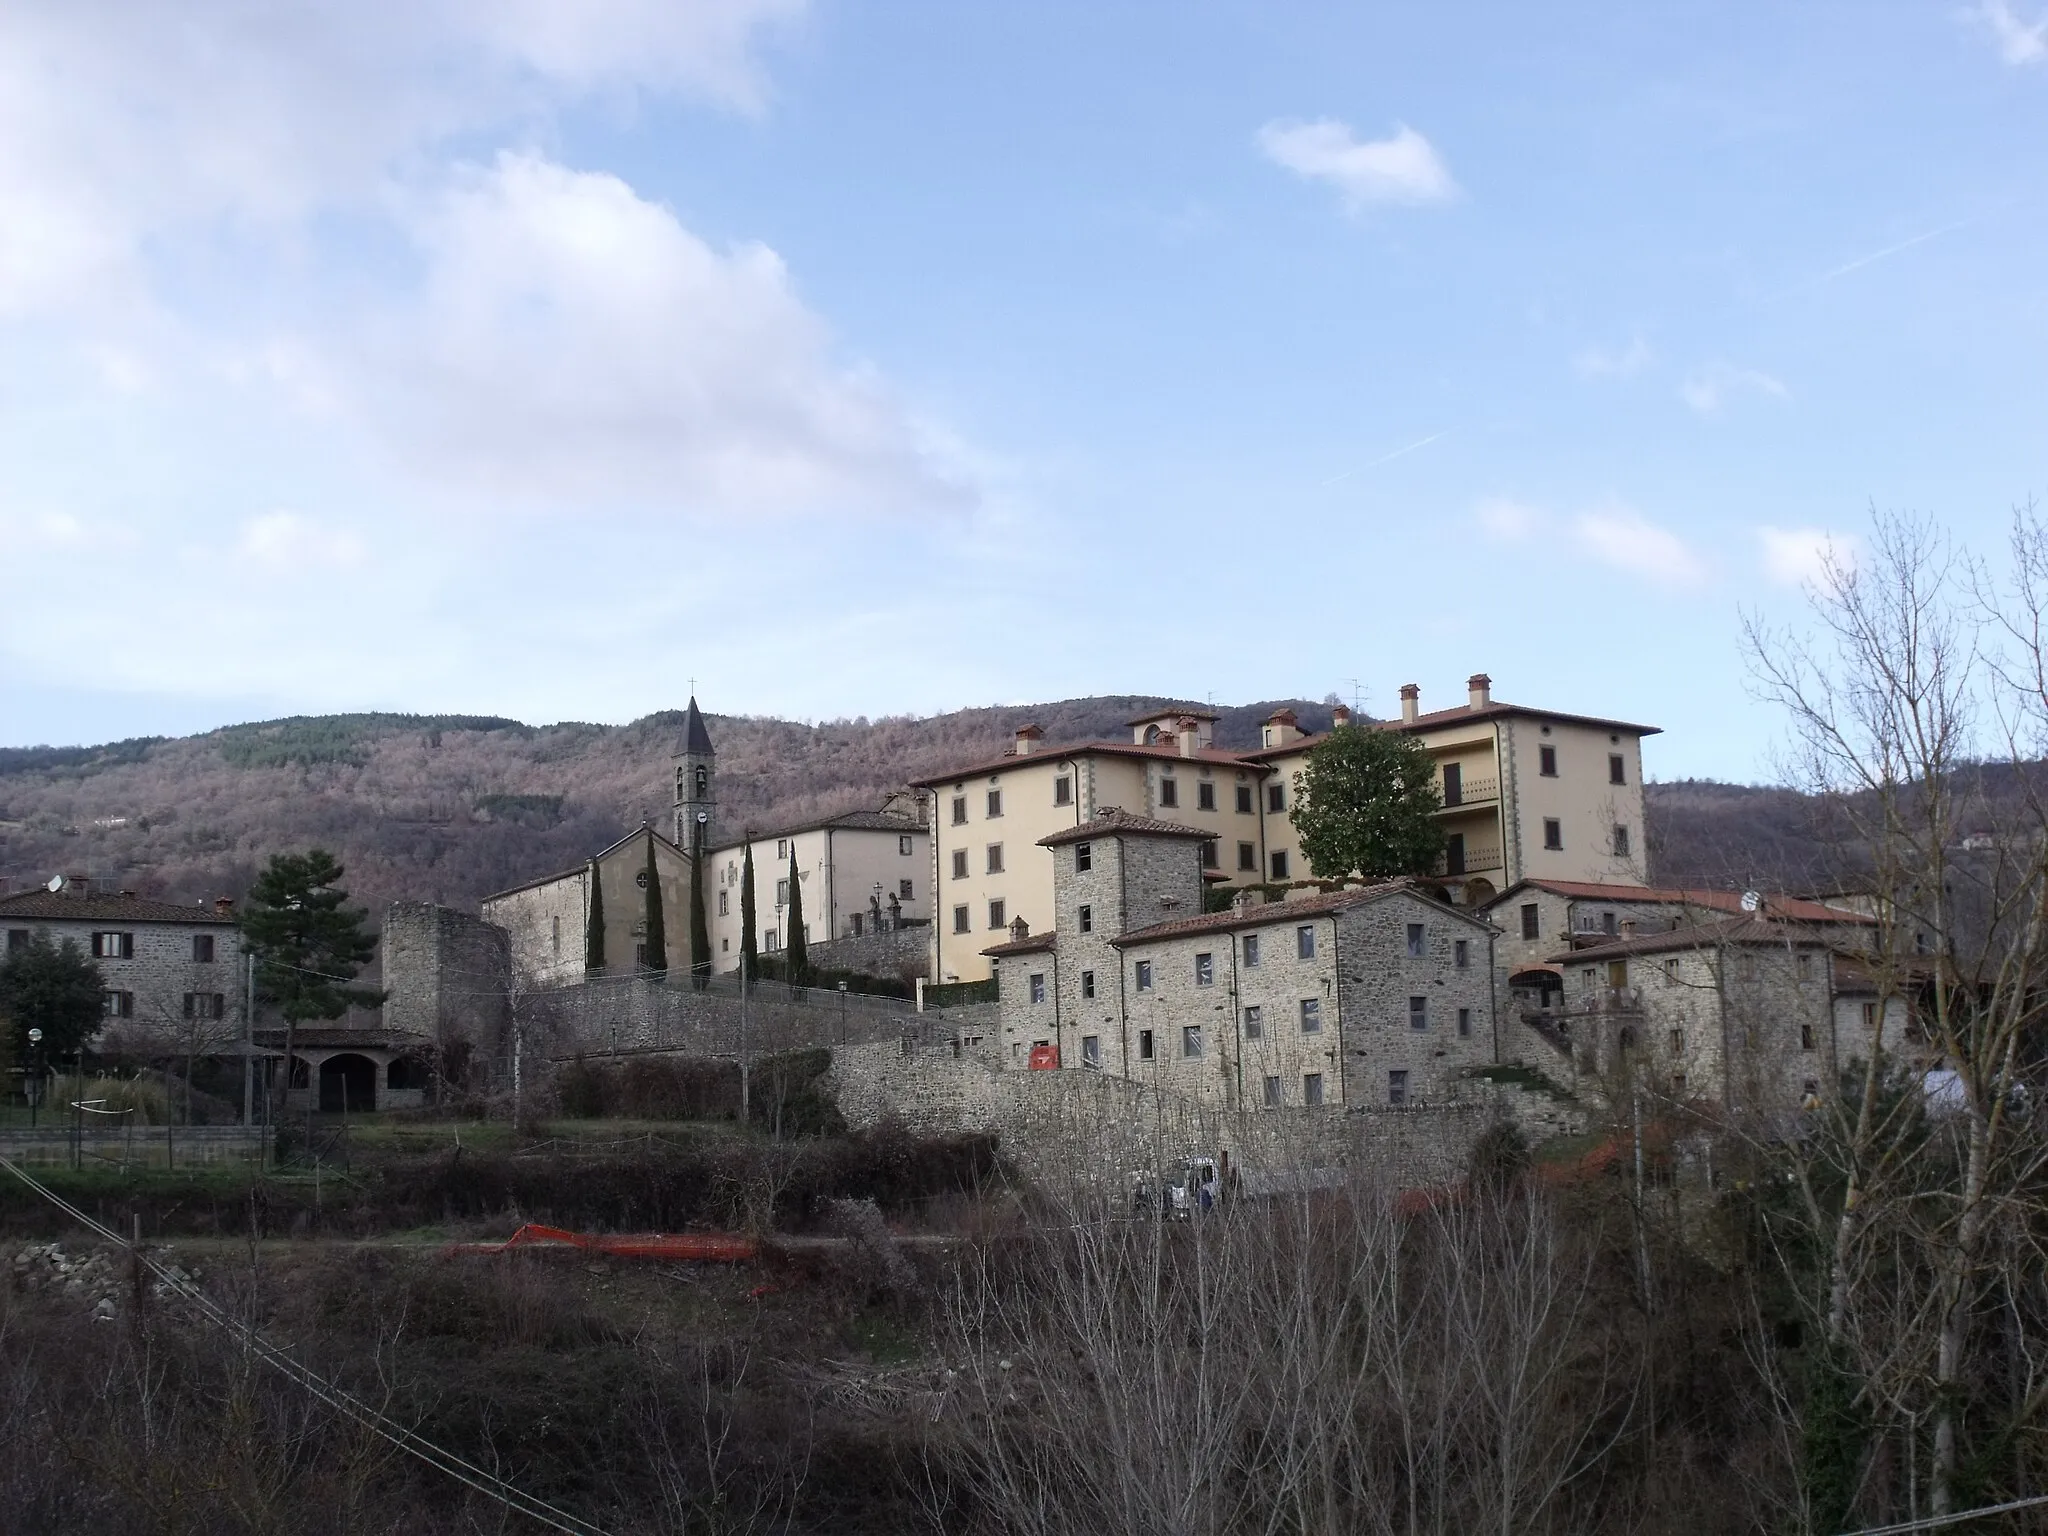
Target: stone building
<point x="1368" y="996"/>
<point x="173" y="975"/>
<point x="1527" y="793"/>
<point x="862" y="873"/>
<point x="547" y="922"/>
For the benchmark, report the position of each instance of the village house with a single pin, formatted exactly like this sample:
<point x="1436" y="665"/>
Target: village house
<point x="173" y="976"/>
<point x="1526" y="793"/>
<point x="1369" y="996"/>
<point x="861" y="873"/>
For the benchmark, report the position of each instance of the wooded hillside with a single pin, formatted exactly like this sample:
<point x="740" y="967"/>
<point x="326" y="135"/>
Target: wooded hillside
<point x="448" y="808"/>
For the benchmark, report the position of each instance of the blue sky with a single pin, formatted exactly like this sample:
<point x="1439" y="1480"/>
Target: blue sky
<point x="534" y="359"/>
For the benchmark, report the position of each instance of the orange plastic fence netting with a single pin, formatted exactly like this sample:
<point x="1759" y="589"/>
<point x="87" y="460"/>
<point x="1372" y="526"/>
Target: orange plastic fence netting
<point x="715" y="1247"/>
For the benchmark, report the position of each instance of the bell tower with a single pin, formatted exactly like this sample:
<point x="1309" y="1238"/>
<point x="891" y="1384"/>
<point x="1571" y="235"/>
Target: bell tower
<point x="696" y="784"/>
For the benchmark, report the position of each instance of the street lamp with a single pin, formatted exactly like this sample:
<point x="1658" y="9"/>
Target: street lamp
<point x="35" y="1078"/>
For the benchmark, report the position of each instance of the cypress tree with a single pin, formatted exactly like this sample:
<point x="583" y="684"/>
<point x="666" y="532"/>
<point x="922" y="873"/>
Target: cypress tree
<point x="593" y="924"/>
<point x="657" y="928"/>
<point x="799" y="957"/>
<point x="700" y="929"/>
<point x="750" y="946"/>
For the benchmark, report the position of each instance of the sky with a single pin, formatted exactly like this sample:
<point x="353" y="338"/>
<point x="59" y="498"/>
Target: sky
<point x="501" y="356"/>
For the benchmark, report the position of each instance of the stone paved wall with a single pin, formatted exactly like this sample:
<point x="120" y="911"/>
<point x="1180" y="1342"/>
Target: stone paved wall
<point x="1379" y="978"/>
<point x="901" y="952"/>
<point x="447" y="976"/>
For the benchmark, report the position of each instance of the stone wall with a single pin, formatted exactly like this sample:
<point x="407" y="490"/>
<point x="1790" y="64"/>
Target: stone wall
<point x="904" y="952"/>
<point x="1378" y="982"/>
<point x="447" y="976"/>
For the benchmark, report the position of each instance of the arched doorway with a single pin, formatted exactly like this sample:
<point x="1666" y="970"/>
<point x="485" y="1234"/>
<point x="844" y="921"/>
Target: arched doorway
<point x="348" y="1084"/>
<point x="1478" y="891"/>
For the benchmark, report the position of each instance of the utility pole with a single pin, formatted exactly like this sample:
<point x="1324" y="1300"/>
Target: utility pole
<point x="249" y="1038"/>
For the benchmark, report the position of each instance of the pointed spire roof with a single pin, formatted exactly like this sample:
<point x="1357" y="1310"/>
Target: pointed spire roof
<point x="696" y="739"/>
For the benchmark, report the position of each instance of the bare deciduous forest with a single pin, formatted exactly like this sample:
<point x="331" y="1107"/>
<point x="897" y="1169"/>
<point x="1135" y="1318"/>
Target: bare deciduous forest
<point x="450" y="808"/>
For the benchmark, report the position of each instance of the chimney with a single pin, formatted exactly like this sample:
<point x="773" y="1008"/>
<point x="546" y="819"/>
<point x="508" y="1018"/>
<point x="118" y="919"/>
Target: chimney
<point x="1244" y="901"/>
<point x="1478" y="690"/>
<point x="78" y="885"/>
<point x="224" y="905"/>
<point x="1186" y="738"/>
<point x="1411" y="702"/>
<point x="1340" y="717"/>
<point x="1019" y="929"/>
<point x="1028" y="738"/>
<point x="1282" y="727"/>
<point x="1628" y="927"/>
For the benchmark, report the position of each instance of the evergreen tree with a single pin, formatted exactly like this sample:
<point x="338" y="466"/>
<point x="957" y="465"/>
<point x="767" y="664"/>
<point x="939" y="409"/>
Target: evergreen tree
<point x="798" y="959"/>
<point x="750" y="948"/>
<point x="593" y="923"/>
<point x="700" y="928"/>
<point x="657" y="927"/>
<point x="1366" y="805"/>
<point x="308" y="942"/>
<point x="52" y="988"/>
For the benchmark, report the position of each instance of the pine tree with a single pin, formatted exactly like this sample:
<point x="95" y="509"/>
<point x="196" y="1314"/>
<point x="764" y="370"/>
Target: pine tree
<point x="799" y="962"/>
<point x="657" y="926"/>
<point x="593" y="923"/>
<point x="750" y="949"/>
<point x="308" y="943"/>
<point x="700" y="930"/>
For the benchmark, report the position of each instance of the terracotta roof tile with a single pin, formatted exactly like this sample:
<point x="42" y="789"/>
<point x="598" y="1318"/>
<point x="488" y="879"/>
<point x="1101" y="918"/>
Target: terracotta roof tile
<point x="1796" y="908"/>
<point x="1734" y="930"/>
<point x="1215" y="757"/>
<point x="55" y="906"/>
<point x="1037" y="943"/>
<point x="1268" y="913"/>
<point x="1118" y="822"/>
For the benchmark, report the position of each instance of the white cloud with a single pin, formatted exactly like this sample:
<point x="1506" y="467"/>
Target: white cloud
<point x="1623" y="538"/>
<point x="1707" y="389"/>
<point x="1506" y="519"/>
<point x="1797" y="556"/>
<point x="1604" y="362"/>
<point x="2019" y="42"/>
<point x="289" y="541"/>
<point x="1402" y="168"/>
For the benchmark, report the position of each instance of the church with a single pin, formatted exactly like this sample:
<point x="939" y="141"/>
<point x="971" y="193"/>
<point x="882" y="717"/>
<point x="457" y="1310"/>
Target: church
<point x="859" y="875"/>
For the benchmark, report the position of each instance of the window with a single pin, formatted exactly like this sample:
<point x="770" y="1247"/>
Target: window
<point x="1190" y="1040"/>
<point x="1063" y="790"/>
<point x="1244" y="800"/>
<point x="773" y="942"/>
<point x="998" y="914"/>
<point x="1205" y="796"/>
<point x="1532" y="921"/>
<point x="1806" y="1037"/>
<point x="995" y="803"/>
<point x="1087" y="919"/>
<point x="1091" y="1051"/>
<point x="959" y="810"/>
<point x="1415" y="941"/>
<point x="113" y="946"/>
<point x="1678" y="1042"/>
<point x="1553" y="833"/>
<point x="781" y="849"/>
<point x="1546" y="762"/>
<point x="1870" y="1016"/>
<point x="1205" y="970"/>
<point x="995" y="858"/>
<point x="903" y="845"/>
<point x="17" y="939"/>
<point x="206" y="1005"/>
<point x="1087" y="983"/>
<point x="1305" y="942"/>
<point x="1211" y="859"/>
<point x="202" y="945"/>
<point x="1678" y="1085"/>
<point x="724" y="910"/>
<point x="1169" y="794"/>
<point x="117" y="1005"/>
<point x="1312" y="1088"/>
<point x="856" y="925"/>
<point x="782" y="892"/>
<point x="1311" y="1016"/>
<point x="1671" y="972"/>
<point x="1620" y="841"/>
<point x="1141" y="975"/>
<point x="1084" y="858"/>
<point x="1038" y="986"/>
<point x="1461" y="954"/>
<point x="962" y="921"/>
<point x="1280" y="866"/>
<point x="904" y="888"/>
<point x="959" y="863"/>
<point x="1251" y="951"/>
<point x="1805" y="966"/>
<point x="1254" y="1023"/>
<point x="1617" y="768"/>
<point x="1607" y="922"/>
<point x="1272" y="1093"/>
<point x="1144" y="1045"/>
<point x="1397" y="1080"/>
<point x="1418" y="1013"/>
<point x="1276" y="798"/>
<point x="1464" y="1023"/>
<point x="1248" y="857"/>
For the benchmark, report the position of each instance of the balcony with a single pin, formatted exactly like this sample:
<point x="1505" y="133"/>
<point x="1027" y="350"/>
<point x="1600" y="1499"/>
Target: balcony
<point x="1461" y="860"/>
<point x="1463" y="794"/>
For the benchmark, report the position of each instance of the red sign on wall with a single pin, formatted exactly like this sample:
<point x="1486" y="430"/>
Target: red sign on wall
<point x="1043" y="1058"/>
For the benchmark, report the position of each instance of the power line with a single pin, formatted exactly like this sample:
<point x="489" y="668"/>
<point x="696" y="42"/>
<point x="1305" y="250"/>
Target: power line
<point x="1936" y="1522"/>
<point x="435" y="1456"/>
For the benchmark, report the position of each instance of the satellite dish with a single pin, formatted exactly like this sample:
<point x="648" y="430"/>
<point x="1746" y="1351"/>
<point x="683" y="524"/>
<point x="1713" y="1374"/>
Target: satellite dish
<point x="56" y="884"/>
<point x="1752" y="900"/>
